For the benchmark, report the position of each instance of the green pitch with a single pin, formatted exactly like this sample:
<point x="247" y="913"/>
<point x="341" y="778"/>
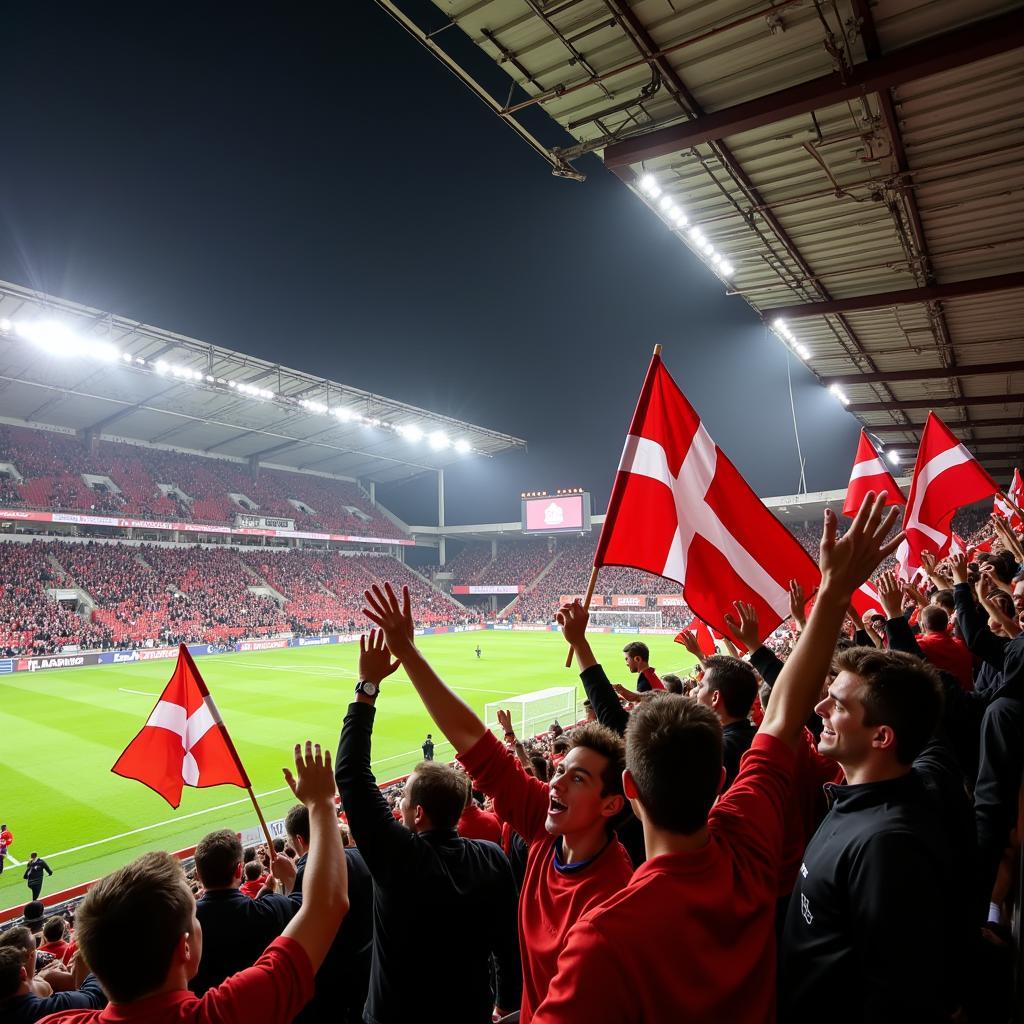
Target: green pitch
<point x="61" y="731"/>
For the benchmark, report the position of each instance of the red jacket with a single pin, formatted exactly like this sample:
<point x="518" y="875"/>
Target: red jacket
<point x="692" y="937"/>
<point x="479" y="824"/>
<point x="949" y="654"/>
<point x="552" y="898"/>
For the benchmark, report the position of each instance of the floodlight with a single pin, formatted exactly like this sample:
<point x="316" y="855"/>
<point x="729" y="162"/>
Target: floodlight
<point x="126" y="356"/>
<point x="665" y="202"/>
<point x="411" y="432"/>
<point x="727" y="268"/>
<point x="671" y="210"/>
<point x="648" y="184"/>
<point x="342" y="414"/>
<point x="779" y="324"/>
<point x="696" y="234"/>
<point x="893" y="456"/>
<point x="162" y="367"/>
<point x="51" y="335"/>
<point x="102" y="350"/>
<point x="707" y="248"/>
<point x="5" y="324"/>
<point x="462" y="446"/>
<point x="680" y="218"/>
<point x="803" y="351"/>
<point x="438" y="440"/>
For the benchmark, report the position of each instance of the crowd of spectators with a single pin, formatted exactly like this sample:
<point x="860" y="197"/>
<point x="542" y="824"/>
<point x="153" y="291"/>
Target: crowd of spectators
<point x="53" y="467"/>
<point x="841" y="805"/>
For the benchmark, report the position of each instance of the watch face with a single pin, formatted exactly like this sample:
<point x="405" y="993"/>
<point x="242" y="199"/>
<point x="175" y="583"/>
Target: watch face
<point x="369" y="689"/>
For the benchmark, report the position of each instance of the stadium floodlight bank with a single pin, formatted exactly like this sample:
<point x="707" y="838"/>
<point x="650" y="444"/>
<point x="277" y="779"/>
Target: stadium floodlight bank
<point x="632" y="619"/>
<point x="533" y="713"/>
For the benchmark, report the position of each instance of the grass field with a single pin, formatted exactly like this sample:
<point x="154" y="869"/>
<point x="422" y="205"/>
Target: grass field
<point x="61" y="731"/>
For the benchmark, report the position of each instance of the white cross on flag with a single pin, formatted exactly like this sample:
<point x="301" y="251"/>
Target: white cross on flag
<point x="679" y="509"/>
<point x="869" y="474"/>
<point x="184" y="742"/>
<point x="946" y="477"/>
<point x="1016" y="494"/>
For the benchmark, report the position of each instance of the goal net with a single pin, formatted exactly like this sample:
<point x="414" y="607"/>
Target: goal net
<point x="532" y="713"/>
<point x="620" y="618"/>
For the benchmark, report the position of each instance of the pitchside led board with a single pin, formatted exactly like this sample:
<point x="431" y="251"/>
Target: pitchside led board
<point x="559" y="513"/>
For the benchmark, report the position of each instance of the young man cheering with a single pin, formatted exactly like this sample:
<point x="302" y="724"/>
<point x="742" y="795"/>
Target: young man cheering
<point x="574" y="859"/>
<point x="138" y="931"/>
<point x="707" y="892"/>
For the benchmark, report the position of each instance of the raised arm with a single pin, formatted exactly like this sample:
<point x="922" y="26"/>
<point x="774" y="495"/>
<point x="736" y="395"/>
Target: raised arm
<point x="573" y="619"/>
<point x="972" y="620"/>
<point x="325" y="884"/>
<point x="453" y="716"/>
<point x="845" y="564"/>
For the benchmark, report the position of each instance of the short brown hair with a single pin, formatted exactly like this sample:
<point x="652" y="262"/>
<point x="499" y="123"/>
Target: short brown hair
<point x="440" y="790"/>
<point x="218" y="856"/>
<point x="604" y="741"/>
<point x="934" y="619"/>
<point x="252" y="871"/>
<point x="12" y="959"/>
<point x="734" y="679"/>
<point x="53" y="929"/>
<point x="637" y="649"/>
<point x="130" y="923"/>
<point x="296" y="822"/>
<point x="901" y="691"/>
<point x="674" y="754"/>
<point x="18" y="938"/>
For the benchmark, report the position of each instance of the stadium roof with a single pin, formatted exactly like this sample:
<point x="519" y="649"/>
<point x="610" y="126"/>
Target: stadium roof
<point x="73" y="367"/>
<point x="850" y="168"/>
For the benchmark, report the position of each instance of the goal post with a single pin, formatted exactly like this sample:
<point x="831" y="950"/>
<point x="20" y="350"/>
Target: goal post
<point x="621" y="618"/>
<point x="532" y="713"/>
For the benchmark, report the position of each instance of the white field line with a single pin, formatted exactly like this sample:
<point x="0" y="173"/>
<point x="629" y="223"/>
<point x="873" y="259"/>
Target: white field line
<point x="14" y="861"/>
<point x="141" y="693"/>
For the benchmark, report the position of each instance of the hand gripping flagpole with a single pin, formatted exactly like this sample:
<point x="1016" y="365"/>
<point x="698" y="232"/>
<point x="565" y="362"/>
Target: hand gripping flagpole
<point x="229" y="743"/>
<point x="588" y="597"/>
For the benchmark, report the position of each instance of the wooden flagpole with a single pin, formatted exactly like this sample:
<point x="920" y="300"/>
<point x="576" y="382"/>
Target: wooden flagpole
<point x="263" y="822"/>
<point x="588" y="597"/>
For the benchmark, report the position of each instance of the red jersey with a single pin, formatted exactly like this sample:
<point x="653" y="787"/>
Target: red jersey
<point x="949" y="654"/>
<point x="272" y="991"/>
<point x="710" y="913"/>
<point x="553" y="896"/>
<point x="252" y="888"/>
<point x="478" y="824"/>
<point x="652" y="679"/>
<point x="62" y="950"/>
<point x="6" y="839"/>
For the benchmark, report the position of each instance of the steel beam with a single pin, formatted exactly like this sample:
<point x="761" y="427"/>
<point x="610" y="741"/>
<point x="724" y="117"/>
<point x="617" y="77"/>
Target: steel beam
<point x="925" y="373"/>
<point x="910" y="428"/>
<point x="953" y="49"/>
<point x="935" y="403"/>
<point x="899" y="297"/>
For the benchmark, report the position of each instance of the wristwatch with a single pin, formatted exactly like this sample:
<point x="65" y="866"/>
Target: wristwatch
<point x="367" y="688"/>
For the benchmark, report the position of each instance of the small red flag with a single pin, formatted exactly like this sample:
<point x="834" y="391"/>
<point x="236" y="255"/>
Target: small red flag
<point x="703" y="635"/>
<point x="865" y="600"/>
<point x="679" y="509"/>
<point x="184" y="742"/>
<point x="869" y="474"/>
<point x="1004" y="511"/>
<point x="946" y="477"/>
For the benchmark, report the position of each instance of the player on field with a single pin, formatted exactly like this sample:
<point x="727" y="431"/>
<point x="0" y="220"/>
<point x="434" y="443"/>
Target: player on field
<point x="6" y="841"/>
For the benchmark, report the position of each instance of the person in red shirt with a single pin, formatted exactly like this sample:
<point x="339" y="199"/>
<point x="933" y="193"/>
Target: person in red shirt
<point x="54" y="941"/>
<point x="253" y="879"/>
<point x="137" y="930"/>
<point x="946" y="652"/>
<point x="476" y="823"/>
<point x="6" y="840"/>
<point x="707" y="891"/>
<point x="574" y="861"/>
<point x="637" y="655"/>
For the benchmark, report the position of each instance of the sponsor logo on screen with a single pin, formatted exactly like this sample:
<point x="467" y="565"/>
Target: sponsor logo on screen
<point x="125" y="656"/>
<point x="565" y="513"/>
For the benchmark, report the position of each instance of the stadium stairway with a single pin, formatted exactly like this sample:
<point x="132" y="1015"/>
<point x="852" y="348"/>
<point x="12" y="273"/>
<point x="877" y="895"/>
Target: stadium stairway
<point x="276" y="594"/>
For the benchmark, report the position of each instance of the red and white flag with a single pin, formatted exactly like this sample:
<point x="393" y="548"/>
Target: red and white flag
<point x="707" y="639"/>
<point x="1016" y="494"/>
<point x="679" y="509"/>
<point x="946" y="477"/>
<point x="184" y="742"/>
<point x="869" y="474"/>
<point x="866" y="601"/>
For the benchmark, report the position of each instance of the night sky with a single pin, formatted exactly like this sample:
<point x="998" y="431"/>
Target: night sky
<point x="306" y="184"/>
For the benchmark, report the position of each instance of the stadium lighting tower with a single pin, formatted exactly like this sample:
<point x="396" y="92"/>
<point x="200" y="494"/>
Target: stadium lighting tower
<point x="439" y="440"/>
<point x="462" y="446"/>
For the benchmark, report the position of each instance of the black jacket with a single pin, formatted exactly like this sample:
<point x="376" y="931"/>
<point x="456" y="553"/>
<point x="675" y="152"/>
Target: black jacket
<point x="34" y="870"/>
<point x="876" y="923"/>
<point x="344" y="976"/>
<point x="610" y="712"/>
<point x="769" y="666"/>
<point x="441" y="904"/>
<point x="736" y="740"/>
<point x="236" y="931"/>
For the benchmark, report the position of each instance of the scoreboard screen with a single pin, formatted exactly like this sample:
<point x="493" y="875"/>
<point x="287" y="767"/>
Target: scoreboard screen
<point x="563" y="513"/>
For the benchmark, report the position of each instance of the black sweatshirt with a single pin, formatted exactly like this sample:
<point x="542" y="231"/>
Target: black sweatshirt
<point x="441" y="904"/>
<point x="611" y="713"/>
<point x="872" y="933"/>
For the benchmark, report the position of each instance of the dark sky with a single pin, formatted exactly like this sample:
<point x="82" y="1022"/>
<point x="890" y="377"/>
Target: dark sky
<point x="306" y="184"/>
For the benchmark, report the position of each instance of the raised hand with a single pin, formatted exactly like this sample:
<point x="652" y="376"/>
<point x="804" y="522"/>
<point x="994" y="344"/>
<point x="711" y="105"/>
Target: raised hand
<point x="797" y="603"/>
<point x="890" y="593"/>
<point x="375" y="661"/>
<point x="283" y="869"/>
<point x="957" y="566"/>
<point x="505" y="721"/>
<point x="573" y="619"/>
<point x="689" y="640"/>
<point x="393" y="618"/>
<point x="848" y="561"/>
<point x="914" y="594"/>
<point x="313" y="781"/>
<point x="744" y="625"/>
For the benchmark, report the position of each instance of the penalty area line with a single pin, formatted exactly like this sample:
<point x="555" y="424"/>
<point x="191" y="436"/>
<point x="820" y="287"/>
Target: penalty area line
<point x="141" y="693"/>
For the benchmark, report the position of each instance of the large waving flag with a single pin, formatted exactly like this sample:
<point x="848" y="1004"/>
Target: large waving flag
<point x="184" y="742"/>
<point x="869" y="474"/>
<point x="680" y="509"/>
<point x="946" y="477"/>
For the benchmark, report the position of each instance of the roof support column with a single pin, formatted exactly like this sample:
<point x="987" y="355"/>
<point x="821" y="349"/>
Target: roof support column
<point x="440" y="516"/>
